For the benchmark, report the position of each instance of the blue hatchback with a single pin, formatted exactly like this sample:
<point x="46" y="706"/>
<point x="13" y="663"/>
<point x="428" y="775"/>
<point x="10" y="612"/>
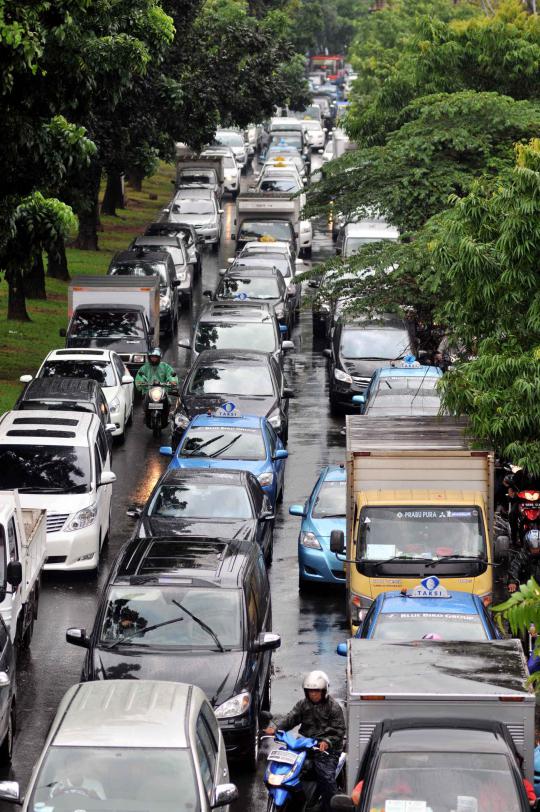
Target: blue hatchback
<point x="323" y="512"/>
<point x="246" y="443"/>
<point x="417" y="615"/>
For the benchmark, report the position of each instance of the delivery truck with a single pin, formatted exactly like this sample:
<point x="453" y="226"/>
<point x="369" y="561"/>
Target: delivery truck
<point x="202" y="171"/>
<point x="266" y="217"/>
<point x="419" y="503"/>
<point x="435" y="723"/>
<point x="23" y="539"/>
<point x="120" y="313"/>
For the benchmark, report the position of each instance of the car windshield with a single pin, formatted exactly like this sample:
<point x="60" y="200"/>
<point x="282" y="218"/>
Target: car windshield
<point x="352" y="244"/>
<point x="225" y="443"/>
<point x="402" y="385"/>
<point x="265" y="230"/>
<point x="421" y="532"/>
<point x="311" y="125"/>
<point x="58" y="406"/>
<point x="229" y="139"/>
<point x="100" y="371"/>
<point x="444" y="781"/>
<point x="330" y="501"/>
<point x="256" y="287"/>
<point x="283" y="184"/>
<point x="45" y="468"/>
<point x="291" y="139"/>
<point x="377" y="343"/>
<point x="107" y="779"/>
<point x="106" y="324"/>
<point x="264" y="260"/>
<point x="193" y="206"/>
<point x="405" y="404"/>
<point x="259" y="336"/>
<point x="141" y="269"/>
<point x="201" y="500"/>
<point x="241" y="379"/>
<point x="405" y="626"/>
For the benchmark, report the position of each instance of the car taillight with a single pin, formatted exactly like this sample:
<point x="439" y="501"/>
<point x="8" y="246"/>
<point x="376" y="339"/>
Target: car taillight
<point x="532" y="514"/>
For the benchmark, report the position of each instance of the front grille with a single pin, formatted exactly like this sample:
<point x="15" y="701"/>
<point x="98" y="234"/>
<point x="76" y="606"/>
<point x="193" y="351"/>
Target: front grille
<point x="56" y="559"/>
<point x="56" y="521"/>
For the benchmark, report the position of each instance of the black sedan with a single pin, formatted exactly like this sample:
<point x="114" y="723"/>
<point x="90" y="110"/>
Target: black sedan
<point x="258" y="284"/>
<point x="252" y="381"/>
<point x="202" y="501"/>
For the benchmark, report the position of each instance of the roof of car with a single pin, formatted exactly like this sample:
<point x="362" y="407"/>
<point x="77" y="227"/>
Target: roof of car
<point x="194" y="192"/>
<point x="124" y="713"/>
<point x="279" y="246"/>
<point x="409" y="372"/>
<point x="56" y="386"/>
<point x="232" y="357"/>
<point x="459" y="603"/>
<point x="372" y="229"/>
<point x="247" y="271"/>
<point x="156" y="239"/>
<point x="449" y="739"/>
<point x="43" y="427"/>
<point x="135" y="256"/>
<point x="228" y="311"/>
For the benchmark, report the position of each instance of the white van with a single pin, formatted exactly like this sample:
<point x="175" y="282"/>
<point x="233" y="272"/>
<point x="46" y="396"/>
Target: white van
<point x="61" y="462"/>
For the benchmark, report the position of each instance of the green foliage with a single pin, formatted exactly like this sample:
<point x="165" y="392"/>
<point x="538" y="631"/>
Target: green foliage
<point x="521" y="609"/>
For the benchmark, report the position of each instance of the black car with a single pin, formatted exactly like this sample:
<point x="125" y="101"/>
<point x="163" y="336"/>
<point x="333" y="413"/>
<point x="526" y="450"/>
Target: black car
<point x="164" y="228"/>
<point x="236" y="325"/>
<point x="203" y="501"/>
<point x="64" y="394"/>
<point x="157" y="263"/>
<point x="253" y="381"/>
<point x="357" y="349"/>
<point x="258" y="284"/>
<point x="191" y="611"/>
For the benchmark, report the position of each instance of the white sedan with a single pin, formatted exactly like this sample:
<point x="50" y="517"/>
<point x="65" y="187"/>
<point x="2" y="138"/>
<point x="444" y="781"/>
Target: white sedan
<point x="314" y="134"/>
<point x="104" y="366"/>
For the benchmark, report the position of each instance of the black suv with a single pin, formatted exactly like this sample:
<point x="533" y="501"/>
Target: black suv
<point x="194" y="611"/>
<point x="65" y="394"/>
<point x="156" y="263"/>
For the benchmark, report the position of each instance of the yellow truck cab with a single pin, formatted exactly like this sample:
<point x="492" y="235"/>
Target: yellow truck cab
<point x="419" y="504"/>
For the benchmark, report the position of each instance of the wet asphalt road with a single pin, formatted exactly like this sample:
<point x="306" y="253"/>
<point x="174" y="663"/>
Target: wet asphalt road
<point x="310" y="626"/>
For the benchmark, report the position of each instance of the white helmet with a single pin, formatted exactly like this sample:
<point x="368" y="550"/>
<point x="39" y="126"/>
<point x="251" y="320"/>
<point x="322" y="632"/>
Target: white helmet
<point x="316" y="681"/>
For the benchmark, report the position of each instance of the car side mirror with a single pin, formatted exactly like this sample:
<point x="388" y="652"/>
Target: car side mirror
<point x="222" y="271"/>
<point x="166" y="450"/>
<point x="288" y="392"/>
<point x="175" y="283"/>
<point x="77" y="637"/>
<point x="127" y="378"/>
<point x="359" y="400"/>
<point x="267" y="641"/>
<point x="327" y="353"/>
<point x="224" y="794"/>
<point x="342" y="802"/>
<point x="133" y="511"/>
<point x="287" y="345"/>
<point x="221" y="211"/>
<point x="14" y="574"/>
<point x="297" y="510"/>
<point x="62" y="332"/>
<point x="25" y="378"/>
<point x="281" y="454"/>
<point x="337" y="541"/>
<point x="166" y="211"/>
<point x="341" y="649"/>
<point x="107" y="478"/>
<point x="208" y="293"/>
<point x="10" y="792"/>
<point x="268" y="516"/>
<point x="4" y="679"/>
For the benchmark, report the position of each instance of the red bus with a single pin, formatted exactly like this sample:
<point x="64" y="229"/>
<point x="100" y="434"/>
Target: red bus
<point x="332" y="66"/>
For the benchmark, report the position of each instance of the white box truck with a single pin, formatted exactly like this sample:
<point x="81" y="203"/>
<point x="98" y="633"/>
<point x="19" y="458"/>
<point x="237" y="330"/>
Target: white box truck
<point x="266" y="217"/>
<point x="23" y="539"/>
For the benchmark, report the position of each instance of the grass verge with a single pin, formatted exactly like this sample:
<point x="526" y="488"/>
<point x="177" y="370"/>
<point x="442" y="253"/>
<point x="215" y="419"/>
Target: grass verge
<point x="23" y="345"/>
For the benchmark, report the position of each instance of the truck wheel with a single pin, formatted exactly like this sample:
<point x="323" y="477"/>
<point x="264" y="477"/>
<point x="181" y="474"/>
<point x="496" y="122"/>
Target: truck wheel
<point x="6" y="748"/>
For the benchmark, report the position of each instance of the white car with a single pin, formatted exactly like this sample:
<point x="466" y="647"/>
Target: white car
<point x="104" y="366"/>
<point x="283" y="179"/>
<point x="231" y="170"/>
<point x="315" y="134"/>
<point x="235" y="140"/>
<point x="130" y="745"/>
<point x="61" y="463"/>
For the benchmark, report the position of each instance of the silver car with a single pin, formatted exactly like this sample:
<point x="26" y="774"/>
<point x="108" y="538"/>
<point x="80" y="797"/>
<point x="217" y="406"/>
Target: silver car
<point x="130" y="744"/>
<point x="201" y="212"/>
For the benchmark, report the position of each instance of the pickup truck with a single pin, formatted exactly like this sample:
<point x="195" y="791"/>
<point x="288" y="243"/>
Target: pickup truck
<point x="439" y="725"/>
<point x="23" y="538"/>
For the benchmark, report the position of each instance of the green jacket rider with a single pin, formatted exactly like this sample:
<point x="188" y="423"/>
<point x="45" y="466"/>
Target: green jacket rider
<point x="155" y="371"/>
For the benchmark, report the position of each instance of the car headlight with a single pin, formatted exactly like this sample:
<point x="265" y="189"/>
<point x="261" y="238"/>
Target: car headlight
<point x="235" y="706"/>
<point x="266" y="479"/>
<point x="181" y="421"/>
<point x="139" y="359"/>
<point x="114" y="405"/>
<point x="275" y="419"/>
<point x="310" y="540"/>
<point x="342" y="376"/>
<point x="83" y="518"/>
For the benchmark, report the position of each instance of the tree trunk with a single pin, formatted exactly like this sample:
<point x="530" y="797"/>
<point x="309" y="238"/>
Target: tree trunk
<point x="114" y="194"/>
<point x="135" y="178"/>
<point x="88" y="211"/>
<point x="57" y="267"/>
<point x="16" y="299"/>
<point x="34" y="280"/>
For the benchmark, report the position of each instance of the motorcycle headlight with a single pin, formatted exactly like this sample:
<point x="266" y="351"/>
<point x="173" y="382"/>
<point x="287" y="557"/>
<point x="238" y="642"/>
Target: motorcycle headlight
<point x="266" y="479"/>
<point x="342" y="376"/>
<point x="310" y="540"/>
<point x="155" y="393"/>
<point x="235" y="706"/>
<point x="275" y="419"/>
<point x="114" y="405"/>
<point x="181" y="421"/>
<point x="83" y="518"/>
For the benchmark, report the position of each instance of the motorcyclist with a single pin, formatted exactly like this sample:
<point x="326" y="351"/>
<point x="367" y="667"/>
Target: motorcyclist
<point x="155" y="371"/>
<point x="320" y="717"/>
<point x="524" y="561"/>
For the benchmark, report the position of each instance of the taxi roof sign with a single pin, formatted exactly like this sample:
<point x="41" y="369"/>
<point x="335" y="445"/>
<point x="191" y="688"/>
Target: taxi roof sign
<point x="430" y="587"/>
<point x="227" y="409"/>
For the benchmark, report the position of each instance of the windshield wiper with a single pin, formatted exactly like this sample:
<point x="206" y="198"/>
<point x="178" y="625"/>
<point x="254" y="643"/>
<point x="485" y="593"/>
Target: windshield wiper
<point x="138" y="632"/>
<point x="225" y="447"/>
<point x="398" y="558"/>
<point x="455" y="557"/>
<point x="202" y="624"/>
<point x="197" y="450"/>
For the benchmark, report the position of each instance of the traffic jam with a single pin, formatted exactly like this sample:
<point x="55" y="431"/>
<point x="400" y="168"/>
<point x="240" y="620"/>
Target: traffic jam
<point x="248" y="560"/>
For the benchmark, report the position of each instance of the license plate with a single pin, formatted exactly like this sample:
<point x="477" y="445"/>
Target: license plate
<point x="155" y="405"/>
<point x="282" y="756"/>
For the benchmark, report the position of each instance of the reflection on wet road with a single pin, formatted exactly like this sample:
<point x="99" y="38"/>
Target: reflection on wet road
<point x="310" y="626"/>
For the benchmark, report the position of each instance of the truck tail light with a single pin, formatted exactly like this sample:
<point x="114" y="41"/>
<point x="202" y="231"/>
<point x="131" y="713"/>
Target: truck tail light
<point x="372" y="697"/>
<point x="511" y="699"/>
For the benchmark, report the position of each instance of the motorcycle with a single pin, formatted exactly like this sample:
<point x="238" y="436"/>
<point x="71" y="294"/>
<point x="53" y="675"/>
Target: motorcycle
<point x="157" y="406"/>
<point x="289" y="778"/>
<point x="528" y="515"/>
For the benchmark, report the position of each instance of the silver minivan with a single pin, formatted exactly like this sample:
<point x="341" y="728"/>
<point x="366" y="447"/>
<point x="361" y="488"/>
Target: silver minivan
<point x="130" y="744"/>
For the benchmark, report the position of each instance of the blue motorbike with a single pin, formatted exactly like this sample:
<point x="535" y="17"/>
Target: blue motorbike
<point x="287" y="775"/>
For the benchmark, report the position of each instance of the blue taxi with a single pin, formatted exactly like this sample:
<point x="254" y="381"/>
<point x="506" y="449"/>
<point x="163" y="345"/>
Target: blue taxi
<point x="427" y="612"/>
<point x="228" y="440"/>
<point x="405" y="388"/>
<point x="323" y="512"/>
